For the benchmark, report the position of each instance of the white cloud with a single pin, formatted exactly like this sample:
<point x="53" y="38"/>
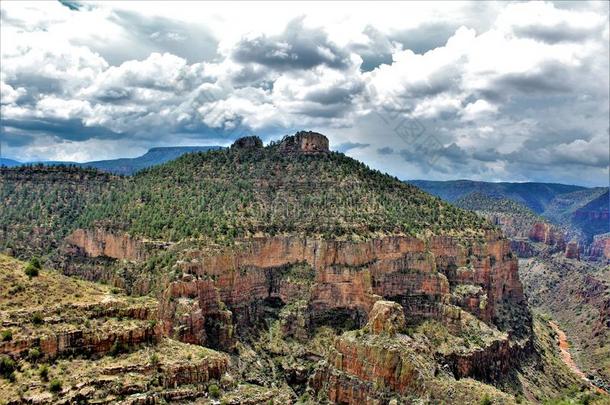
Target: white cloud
<point x="478" y="109"/>
<point x="506" y="80"/>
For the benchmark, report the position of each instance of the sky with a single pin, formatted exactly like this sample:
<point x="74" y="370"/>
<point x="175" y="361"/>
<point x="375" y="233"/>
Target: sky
<point x="493" y="91"/>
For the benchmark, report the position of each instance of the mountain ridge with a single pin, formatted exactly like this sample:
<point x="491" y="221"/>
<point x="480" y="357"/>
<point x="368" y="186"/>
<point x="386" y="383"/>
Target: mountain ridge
<point x="126" y="166"/>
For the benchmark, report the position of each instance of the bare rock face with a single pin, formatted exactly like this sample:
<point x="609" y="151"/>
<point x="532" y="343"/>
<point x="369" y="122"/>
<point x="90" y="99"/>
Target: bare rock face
<point x="345" y="279"/>
<point x="522" y="248"/>
<point x="96" y="243"/>
<point x="600" y="249"/>
<point x="305" y="142"/>
<point x="572" y="250"/>
<point x="367" y="369"/>
<point x="547" y="234"/>
<point x="248" y="142"/>
<point x="386" y="317"/>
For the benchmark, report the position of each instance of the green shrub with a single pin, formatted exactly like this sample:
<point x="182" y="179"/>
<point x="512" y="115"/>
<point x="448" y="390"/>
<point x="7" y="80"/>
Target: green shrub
<point x="7" y="335"/>
<point x="31" y="271"/>
<point x="37" y="319"/>
<point x="117" y="348"/>
<point x="154" y="359"/>
<point x="35" y="262"/>
<point x="486" y="400"/>
<point x="7" y="366"/>
<point x="55" y="386"/>
<point x="34" y="354"/>
<point x="214" y="390"/>
<point x="43" y="372"/>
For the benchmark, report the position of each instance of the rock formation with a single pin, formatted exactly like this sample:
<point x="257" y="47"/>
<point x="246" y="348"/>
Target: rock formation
<point x="572" y="250"/>
<point x="522" y="248"/>
<point x="545" y="233"/>
<point x="226" y="288"/>
<point x="248" y="142"/>
<point x="305" y="142"/>
<point x="95" y="243"/>
<point x="385" y="317"/>
<point x="600" y="248"/>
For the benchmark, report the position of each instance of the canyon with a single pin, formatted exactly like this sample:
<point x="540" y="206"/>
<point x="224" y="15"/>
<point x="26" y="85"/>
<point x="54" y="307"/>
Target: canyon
<point x="316" y="299"/>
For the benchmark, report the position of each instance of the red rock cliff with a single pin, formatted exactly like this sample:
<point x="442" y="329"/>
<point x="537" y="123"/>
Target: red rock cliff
<point x="95" y="243"/>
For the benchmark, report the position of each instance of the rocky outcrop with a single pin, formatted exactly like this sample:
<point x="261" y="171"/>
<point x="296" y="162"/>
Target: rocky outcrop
<point x="82" y="341"/>
<point x="98" y="242"/>
<point x="522" y="248"/>
<point x="369" y="369"/>
<point x="305" y="142"/>
<point x="545" y="233"/>
<point x="224" y="292"/>
<point x="248" y="142"/>
<point x="386" y="317"/>
<point x="345" y="279"/>
<point x="600" y="248"/>
<point x="572" y="250"/>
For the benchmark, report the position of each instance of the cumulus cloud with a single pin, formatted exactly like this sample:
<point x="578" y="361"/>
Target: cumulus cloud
<point x="296" y="48"/>
<point x="491" y="91"/>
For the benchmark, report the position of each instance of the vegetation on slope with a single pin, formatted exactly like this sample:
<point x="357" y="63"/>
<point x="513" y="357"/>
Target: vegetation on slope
<point x="584" y="212"/>
<point x="40" y="205"/>
<point x="535" y="196"/>
<point x="576" y="294"/>
<point x="514" y="218"/>
<point x="232" y="193"/>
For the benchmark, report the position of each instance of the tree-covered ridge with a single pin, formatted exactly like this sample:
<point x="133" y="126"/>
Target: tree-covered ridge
<point x="514" y="218"/>
<point x="233" y="193"/>
<point x="41" y="204"/>
<point x="482" y="202"/>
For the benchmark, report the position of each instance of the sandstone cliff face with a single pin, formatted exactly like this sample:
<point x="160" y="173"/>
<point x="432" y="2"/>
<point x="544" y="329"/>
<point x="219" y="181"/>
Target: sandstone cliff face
<point x="572" y="250"/>
<point x="547" y="234"/>
<point x="600" y="249"/>
<point x="223" y="291"/>
<point x="96" y="243"/>
<point x="346" y="277"/>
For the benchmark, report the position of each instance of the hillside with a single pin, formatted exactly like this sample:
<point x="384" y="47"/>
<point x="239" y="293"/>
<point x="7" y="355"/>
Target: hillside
<point x="284" y="273"/>
<point x="535" y="196"/>
<point x="9" y="162"/>
<point x="577" y="295"/>
<point x="41" y="204"/>
<point x="155" y="156"/>
<point x="243" y="192"/>
<point x="581" y="212"/>
<point x="515" y="219"/>
<point x="584" y="212"/>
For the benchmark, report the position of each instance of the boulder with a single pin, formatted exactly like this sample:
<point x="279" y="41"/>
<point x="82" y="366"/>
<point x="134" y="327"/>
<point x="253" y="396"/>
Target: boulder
<point x="386" y="317"/>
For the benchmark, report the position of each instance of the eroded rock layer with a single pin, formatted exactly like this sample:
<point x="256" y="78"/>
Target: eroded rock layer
<point x="346" y="278"/>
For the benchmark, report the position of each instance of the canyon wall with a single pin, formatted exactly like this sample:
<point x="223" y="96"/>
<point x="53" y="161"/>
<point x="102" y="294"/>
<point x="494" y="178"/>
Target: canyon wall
<point x="98" y="242"/>
<point x="225" y="290"/>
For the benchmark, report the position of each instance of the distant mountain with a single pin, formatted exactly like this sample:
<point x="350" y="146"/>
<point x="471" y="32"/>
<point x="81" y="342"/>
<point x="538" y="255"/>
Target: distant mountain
<point x="514" y="218"/>
<point x="153" y="157"/>
<point x="125" y="166"/>
<point x="582" y="211"/>
<point x="9" y="162"/>
<point x="535" y="196"/>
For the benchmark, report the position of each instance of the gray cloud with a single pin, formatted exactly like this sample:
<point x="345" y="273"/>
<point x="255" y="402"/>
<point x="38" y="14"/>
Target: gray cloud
<point x="519" y="102"/>
<point x="296" y="48"/>
<point x="344" y="147"/>
<point x="555" y="34"/>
